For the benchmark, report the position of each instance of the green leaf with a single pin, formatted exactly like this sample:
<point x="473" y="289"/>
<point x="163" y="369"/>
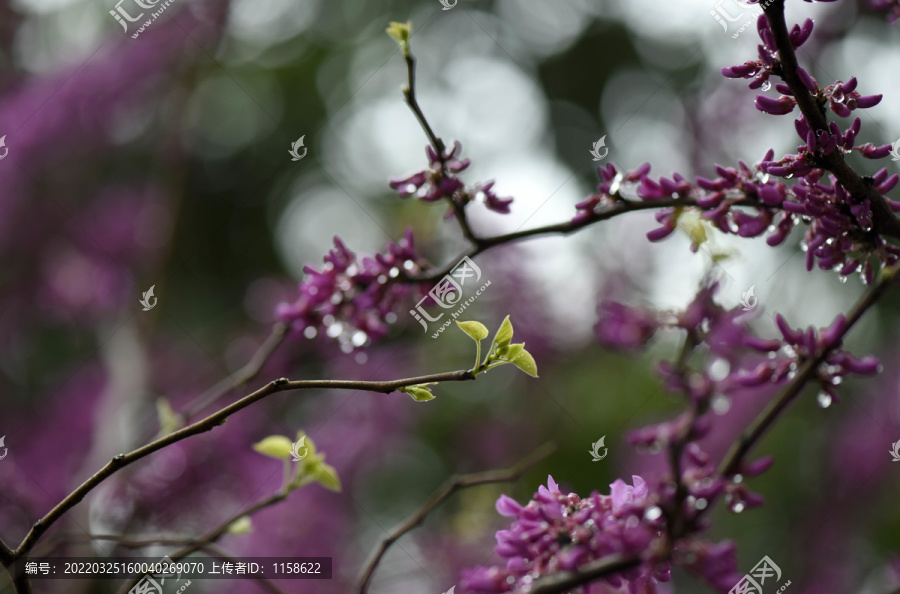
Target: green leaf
<point x="476" y="330"/>
<point x="400" y="32"/>
<point x="242" y="525"/>
<point x="327" y="476"/>
<point x="275" y="446"/>
<point x="514" y="350"/>
<point x="524" y="361"/>
<point x="419" y="392"/>
<point x="169" y="420"/>
<point x="503" y="337"/>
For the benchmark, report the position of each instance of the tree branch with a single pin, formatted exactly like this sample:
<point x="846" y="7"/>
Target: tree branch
<point x="450" y="486"/>
<point x="734" y="458"/>
<point x="212" y="421"/>
<point x="589" y="572"/>
<point x="243" y="375"/>
<point x="859" y="187"/>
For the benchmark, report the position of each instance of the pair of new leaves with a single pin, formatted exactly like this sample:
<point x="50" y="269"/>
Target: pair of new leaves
<point x="310" y="466"/>
<point x="502" y="351"/>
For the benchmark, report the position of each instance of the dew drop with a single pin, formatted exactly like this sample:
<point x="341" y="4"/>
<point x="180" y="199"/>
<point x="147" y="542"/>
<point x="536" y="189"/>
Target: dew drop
<point x="837" y="380"/>
<point x="738" y="478"/>
<point x="701" y="504"/>
<point x="409" y="265"/>
<point x="335" y="330"/>
<point x="390" y="318"/>
<point x="359" y="338"/>
<point x="721" y="404"/>
<point x="310" y="332"/>
<point x="789" y="175"/>
<point x="719" y="369"/>
<point x="347" y="348"/>
<point x="842" y="279"/>
<point x="652" y="513"/>
<point x="394" y="272"/>
<point x="737" y="507"/>
<point x="361" y="358"/>
<point x="824" y="399"/>
<point x="766" y="85"/>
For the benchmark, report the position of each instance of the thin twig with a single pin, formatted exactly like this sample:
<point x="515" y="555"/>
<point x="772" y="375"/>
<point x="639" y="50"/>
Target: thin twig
<point x="450" y="486"/>
<point x="216" y="533"/>
<point x="243" y="375"/>
<point x="209" y="423"/>
<point x="621" y="206"/>
<point x="409" y="94"/>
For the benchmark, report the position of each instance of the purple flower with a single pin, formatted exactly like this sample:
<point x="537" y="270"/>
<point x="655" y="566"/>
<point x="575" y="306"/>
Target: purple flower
<point x="559" y="531"/>
<point x="350" y="300"/>
<point x="624" y="327"/>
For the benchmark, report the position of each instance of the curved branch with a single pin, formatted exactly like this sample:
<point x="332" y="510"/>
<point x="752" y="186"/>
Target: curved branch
<point x="209" y="423"/>
<point x="450" y="486"/>
<point x="589" y="572"/>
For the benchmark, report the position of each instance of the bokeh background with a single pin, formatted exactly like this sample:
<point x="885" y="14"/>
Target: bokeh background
<point x="163" y="160"/>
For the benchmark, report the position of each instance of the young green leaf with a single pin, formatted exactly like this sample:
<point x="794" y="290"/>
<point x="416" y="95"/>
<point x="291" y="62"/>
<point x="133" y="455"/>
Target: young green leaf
<point x="419" y="393"/>
<point x="275" y="446"/>
<point x="242" y="525"/>
<point x="327" y="476"/>
<point x="514" y="349"/>
<point x="476" y="330"/>
<point x="524" y="361"/>
<point x="400" y="32"/>
<point x="503" y="337"/>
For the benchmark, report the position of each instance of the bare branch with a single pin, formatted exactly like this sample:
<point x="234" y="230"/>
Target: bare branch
<point x="450" y="486"/>
<point x="211" y="422"/>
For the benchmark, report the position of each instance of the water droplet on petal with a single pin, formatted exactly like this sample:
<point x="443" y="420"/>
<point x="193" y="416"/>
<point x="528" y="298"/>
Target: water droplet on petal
<point x="335" y="330"/>
<point x="824" y="399"/>
<point x="310" y="332"/>
<point x="738" y="478"/>
<point x="789" y="175"/>
<point x="737" y="507"/>
<point x="842" y="279"/>
<point x="719" y="369"/>
<point x="701" y="504"/>
<point x="766" y="85"/>
<point x="652" y="513"/>
<point x="721" y="404"/>
<point x="359" y="338"/>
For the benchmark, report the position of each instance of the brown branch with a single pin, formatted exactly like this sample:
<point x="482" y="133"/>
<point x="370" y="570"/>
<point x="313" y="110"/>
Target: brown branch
<point x="450" y="486"/>
<point x="566" y="580"/>
<point x="621" y="206"/>
<point x="194" y="545"/>
<point x="734" y="458"/>
<point x="859" y="187"/>
<point x="243" y="375"/>
<point x="211" y="422"/>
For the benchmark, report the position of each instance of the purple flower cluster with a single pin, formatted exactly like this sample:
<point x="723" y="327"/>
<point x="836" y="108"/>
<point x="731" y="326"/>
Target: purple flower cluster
<point x="559" y="531"/>
<point x="439" y="181"/>
<point x="803" y="345"/>
<point x="349" y="300"/>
